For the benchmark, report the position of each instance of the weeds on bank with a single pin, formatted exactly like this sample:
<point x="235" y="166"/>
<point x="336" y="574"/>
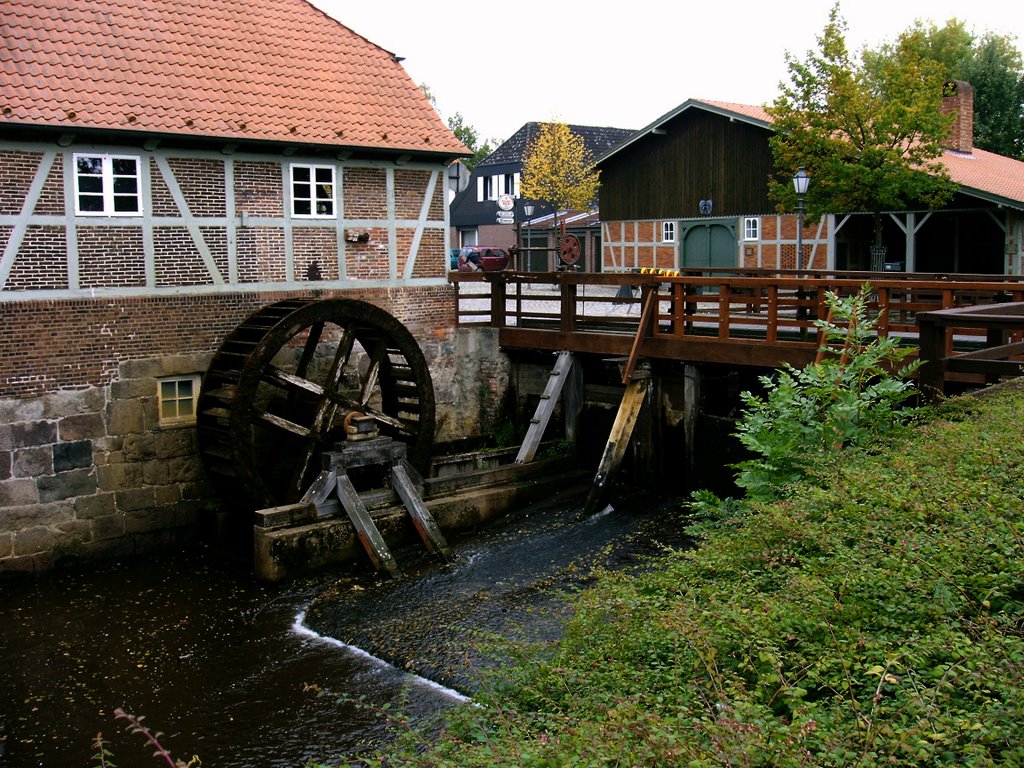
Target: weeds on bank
<point x="871" y="616"/>
<point x="104" y="758"/>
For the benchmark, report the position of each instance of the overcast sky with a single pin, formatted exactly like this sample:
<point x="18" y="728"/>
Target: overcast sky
<point x="624" y="64"/>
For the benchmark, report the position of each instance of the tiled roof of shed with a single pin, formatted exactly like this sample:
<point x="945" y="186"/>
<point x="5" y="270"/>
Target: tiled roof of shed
<point x="596" y="139"/>
<point x="269" y="70"/>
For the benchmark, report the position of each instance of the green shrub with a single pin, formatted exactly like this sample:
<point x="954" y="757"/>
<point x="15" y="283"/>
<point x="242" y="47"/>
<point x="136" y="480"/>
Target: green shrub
<point x="873" y="617"/>
<point x="846" y="400"/>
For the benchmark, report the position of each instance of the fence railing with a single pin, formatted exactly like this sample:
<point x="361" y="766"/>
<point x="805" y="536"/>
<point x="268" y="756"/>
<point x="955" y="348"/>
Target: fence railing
<point x="728" y="307"/>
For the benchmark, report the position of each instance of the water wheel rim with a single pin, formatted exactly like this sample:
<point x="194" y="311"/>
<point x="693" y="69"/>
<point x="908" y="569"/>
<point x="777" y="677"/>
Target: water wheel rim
<point x="403" y="387"/>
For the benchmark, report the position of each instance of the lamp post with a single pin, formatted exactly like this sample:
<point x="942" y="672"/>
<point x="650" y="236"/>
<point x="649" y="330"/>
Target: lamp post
<point x="527" y="212"/>
<point x="800" y="183"/>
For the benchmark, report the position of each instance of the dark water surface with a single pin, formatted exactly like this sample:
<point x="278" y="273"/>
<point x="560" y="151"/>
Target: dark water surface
<point x="227" y="668"/>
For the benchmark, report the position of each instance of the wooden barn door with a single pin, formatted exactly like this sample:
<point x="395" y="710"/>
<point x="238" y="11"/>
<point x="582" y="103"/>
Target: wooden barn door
<point x="709" y="245"/>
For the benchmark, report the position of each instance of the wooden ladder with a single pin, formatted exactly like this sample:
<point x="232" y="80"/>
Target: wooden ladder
<point x="546" y="406"/>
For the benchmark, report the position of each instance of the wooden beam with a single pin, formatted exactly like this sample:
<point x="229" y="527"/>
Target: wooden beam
<point x="618" y="441"/>
<point x="367" y="532"/>
<point x="422" y="520"/>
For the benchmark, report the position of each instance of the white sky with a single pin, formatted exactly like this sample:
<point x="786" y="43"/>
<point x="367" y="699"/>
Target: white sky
<point x="624" y="64"/>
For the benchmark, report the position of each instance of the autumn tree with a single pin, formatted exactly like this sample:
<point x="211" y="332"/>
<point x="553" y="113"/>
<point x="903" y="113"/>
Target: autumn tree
<point x="558" y="169"/>
<point x="870" y="137"/>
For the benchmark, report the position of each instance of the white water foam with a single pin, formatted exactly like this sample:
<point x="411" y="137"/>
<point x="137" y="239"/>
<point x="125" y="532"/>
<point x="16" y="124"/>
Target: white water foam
<point x="299" y="628"/>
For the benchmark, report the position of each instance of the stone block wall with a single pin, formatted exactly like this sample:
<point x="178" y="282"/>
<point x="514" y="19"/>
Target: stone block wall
<point x="89" y="473"/>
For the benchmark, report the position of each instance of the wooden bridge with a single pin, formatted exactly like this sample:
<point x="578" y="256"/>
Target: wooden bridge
<point x="966" y="327"/>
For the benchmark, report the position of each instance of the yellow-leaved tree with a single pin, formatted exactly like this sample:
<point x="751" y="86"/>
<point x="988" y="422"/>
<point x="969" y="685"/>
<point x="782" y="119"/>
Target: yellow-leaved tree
<point x="558" y="169"/>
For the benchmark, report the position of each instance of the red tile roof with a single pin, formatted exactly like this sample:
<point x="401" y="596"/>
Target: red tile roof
<point x="277" y="70"/>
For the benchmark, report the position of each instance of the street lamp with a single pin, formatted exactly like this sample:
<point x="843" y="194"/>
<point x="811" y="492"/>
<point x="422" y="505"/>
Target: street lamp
<point x="800" y="183"/>
<point x="527" y="212"/>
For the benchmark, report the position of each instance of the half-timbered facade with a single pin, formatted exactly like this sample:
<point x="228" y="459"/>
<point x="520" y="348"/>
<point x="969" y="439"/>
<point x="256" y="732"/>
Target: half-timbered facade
<point x="691" y="191"/>
<point x="167" y="168"/>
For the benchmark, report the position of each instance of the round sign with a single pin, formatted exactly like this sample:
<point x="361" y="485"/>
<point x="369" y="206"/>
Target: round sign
<point x="506" y="203"/>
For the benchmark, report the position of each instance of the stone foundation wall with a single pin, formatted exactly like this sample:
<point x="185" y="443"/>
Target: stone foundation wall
<point x="89" y="473"/>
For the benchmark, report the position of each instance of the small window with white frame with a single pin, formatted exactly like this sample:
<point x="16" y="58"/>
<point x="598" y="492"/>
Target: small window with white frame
<point x="107" y="185"/>
<point x="313" y="191"/>
<point x="177" y="398"/>
<point x="751" y="228"/>
<point x="668" y="231"/>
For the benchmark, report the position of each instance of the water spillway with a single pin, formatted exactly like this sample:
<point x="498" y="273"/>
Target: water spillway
<point x="214" y="659"/>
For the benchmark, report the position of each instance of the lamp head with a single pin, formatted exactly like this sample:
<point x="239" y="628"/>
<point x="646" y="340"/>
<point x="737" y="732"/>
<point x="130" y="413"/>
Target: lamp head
<point x="801" y="181"/>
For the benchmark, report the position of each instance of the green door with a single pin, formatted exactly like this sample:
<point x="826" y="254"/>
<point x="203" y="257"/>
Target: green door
<point x="709" y="245"/>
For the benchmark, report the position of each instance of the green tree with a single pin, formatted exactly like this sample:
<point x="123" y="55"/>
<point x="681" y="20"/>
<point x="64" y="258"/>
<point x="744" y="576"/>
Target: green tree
<point x="870" y="137"/>
<point x="469" y="136"/>
<point x="992" y="65"/>
<point x="558" y="169"/>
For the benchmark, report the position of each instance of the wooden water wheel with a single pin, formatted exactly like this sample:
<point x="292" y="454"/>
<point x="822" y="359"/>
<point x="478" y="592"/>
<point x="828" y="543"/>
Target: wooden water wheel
<point x="280" y="387"/>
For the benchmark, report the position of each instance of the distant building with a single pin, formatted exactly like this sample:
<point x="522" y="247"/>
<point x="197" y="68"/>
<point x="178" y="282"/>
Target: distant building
<point x="691" y="190"/>
<point x="474" y="211"/>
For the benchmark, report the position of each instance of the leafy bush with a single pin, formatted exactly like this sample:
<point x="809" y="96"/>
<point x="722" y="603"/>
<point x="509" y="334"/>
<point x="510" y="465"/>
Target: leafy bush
<point x="848" y="399"/>
<point x="873" y="617"/>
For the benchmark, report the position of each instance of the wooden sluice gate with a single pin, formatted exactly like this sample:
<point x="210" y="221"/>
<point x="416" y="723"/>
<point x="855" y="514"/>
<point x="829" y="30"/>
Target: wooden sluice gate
<point x="334" y="490"/>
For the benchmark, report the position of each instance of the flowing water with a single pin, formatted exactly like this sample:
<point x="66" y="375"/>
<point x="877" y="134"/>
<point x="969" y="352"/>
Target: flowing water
<point x="247" y="674"/>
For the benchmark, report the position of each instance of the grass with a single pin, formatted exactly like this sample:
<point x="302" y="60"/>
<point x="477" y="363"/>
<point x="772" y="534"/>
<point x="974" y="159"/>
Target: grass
<point x="873" y="617"/>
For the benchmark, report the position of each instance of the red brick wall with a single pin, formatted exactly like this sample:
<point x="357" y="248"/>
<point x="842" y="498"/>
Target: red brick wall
<point x="76" y="343"/>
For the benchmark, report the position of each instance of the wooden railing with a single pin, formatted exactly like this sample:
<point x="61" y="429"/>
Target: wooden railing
<point x="751" y="317"/>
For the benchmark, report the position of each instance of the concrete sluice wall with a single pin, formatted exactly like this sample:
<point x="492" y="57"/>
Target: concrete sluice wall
<point x="470" y="489"/>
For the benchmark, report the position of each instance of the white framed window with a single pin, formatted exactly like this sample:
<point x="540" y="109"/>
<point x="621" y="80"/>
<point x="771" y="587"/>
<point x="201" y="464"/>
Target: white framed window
<point x="313" y="191"/>
<point x="176" y="399"/>
<point x="107" y="185"/>
<point x="668" y="231"/>
<point x="751" y="228"/>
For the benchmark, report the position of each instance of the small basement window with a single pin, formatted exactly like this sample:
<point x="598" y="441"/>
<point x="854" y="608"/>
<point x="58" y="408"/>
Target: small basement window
<point x="177" y="397"/>
<point x="751" y="228"/>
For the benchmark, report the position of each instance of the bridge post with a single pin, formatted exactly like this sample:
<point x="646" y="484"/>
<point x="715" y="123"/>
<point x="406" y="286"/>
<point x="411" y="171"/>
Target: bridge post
<point x="932" y="342"/>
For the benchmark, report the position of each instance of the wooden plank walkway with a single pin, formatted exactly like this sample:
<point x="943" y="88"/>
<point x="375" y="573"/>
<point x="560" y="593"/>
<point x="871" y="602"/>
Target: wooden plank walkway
<point x="749" y="318"/>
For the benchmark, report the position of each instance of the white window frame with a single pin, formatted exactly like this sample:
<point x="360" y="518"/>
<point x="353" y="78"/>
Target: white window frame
<point x="751" y="228"/>
<point x="171" y="396"/>
<point x="110" y="179"/>
<point x="668" y="231"/>
<point x="321" y="206"/>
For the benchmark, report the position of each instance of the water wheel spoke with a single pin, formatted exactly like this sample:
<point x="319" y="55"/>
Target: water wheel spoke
<point x="290" y="381"/>
<point x="316" y="330"/>
<point x="372" y="374"/>
<point x="283" y="423"/>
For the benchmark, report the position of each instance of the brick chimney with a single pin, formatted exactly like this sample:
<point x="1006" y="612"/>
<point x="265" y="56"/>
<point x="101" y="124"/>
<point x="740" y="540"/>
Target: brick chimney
<point x="958" y="99"/>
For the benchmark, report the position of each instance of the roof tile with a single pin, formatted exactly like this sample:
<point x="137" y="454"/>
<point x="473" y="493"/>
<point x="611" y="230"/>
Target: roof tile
<point x="285" y="71"/>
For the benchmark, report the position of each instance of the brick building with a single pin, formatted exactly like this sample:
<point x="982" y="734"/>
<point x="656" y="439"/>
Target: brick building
<point x="167" y="167"/>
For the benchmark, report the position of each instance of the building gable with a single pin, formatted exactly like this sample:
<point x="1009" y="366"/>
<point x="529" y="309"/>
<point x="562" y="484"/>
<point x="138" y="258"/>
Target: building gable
<point x="692" y="157"/>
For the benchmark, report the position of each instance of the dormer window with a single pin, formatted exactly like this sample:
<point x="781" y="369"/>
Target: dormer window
<point x="107" y="185"/>
<point x="313" y="191"/>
